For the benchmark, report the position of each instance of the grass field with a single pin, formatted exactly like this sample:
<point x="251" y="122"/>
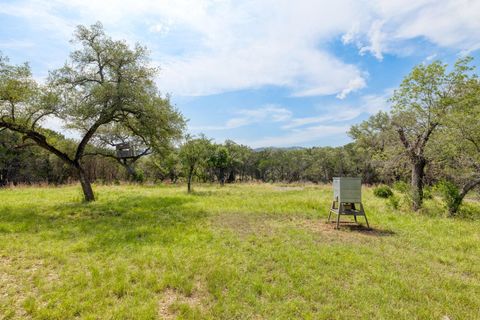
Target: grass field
<point x="237" y="252"/>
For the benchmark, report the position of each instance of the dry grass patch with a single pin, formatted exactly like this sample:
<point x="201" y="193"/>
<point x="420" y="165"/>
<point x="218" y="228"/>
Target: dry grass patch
<point x="173" y="303"/>
<point x="18" y="284"/>
<point x="245" y="225"/>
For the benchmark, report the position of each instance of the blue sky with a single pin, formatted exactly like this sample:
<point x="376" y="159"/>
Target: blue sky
<point x="263" y="72"/>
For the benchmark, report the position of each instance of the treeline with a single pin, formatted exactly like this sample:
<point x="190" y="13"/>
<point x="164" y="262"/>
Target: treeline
<point x="200" y="159"/>
<point x="25" y="163"/>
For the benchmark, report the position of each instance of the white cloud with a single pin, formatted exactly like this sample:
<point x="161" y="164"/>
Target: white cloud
<point x="16" y="44"/>
<point x="368" y="104"/>
<point x="449" y="23"/>
<point x="373" y="103"/>
<point x="41" y="13"/>
<point x="334" y="115"/>
<point x="57" y="124"/>
<point x="161" y="28"/>
<point x="430" y="57"/>
<point x="245" y="117"/>
<point x="376" y="38"/>
<point x="299" y="137"/>
<point x="239" y="45"/>
<point x="307" y="73"/>
<point x="234" y="45"/>
<point x="353" y="85"/>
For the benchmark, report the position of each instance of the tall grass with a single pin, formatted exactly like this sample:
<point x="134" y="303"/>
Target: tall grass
<point x="237" y="252"/>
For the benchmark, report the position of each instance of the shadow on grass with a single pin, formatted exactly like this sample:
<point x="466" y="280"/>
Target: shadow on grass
<point x="362" y="229"/>
<point x="129" y="220"/>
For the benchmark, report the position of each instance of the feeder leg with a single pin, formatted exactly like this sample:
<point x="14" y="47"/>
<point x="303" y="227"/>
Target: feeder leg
<point x="355" y="217"/>
<point x="329" y="215"/>
<point x="340" y="210"/>
<point x="365" y="215"/>
<point x="366" y="220"/>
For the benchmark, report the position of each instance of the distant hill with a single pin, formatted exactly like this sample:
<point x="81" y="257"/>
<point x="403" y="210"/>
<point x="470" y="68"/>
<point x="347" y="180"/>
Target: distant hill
<point x="277" y="148"/>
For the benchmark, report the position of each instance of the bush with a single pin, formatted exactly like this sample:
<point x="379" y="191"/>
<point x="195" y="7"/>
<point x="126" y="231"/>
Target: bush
<point x="383" y="192"/>
<point x="427" y="192"/>
<point x="450" y="195"/>
<point x="394" y="202"/>
<point x="406" y="189"/>
<point x="401" y="187"/>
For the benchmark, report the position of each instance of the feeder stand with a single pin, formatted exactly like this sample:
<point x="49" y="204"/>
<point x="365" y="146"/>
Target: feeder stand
<point x="347" y="199"/>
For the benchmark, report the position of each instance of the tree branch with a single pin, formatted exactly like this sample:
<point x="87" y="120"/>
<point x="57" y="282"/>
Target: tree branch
<point x="88" y="135"/>
<point x="469" y="186"/>
<point x="38" y="138"/>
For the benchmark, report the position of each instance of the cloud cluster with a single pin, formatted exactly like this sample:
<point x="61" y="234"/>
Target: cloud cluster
<point x="227" y="45"/>
<point x="246" y="117"/>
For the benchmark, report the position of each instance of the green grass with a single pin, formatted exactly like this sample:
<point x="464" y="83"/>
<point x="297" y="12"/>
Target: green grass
<point x="238" y="252"/>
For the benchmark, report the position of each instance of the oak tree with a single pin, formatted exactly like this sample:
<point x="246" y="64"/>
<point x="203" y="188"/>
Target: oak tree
<point x="105" y="83"/>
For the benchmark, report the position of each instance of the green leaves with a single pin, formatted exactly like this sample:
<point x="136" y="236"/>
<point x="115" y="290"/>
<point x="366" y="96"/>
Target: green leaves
<point x="107" y="87"/>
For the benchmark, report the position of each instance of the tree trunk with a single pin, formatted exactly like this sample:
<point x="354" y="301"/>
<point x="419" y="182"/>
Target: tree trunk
<point x="231" y="176"/>
<point x="86" y="185"/>
<point x="132" y="173"/>
<point x="189" y="180"/>
<point x="458" y="202"/>
<point x="418" y="172"/>
<point x="173" y="177"/>
<point x="222" y="176"/>
<point x="452" y="210"/>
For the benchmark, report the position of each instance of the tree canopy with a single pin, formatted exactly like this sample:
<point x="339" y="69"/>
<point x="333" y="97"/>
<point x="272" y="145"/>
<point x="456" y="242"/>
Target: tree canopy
<point x="106" y="84"/>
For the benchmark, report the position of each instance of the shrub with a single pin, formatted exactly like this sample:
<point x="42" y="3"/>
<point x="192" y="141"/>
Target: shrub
<point x="394" y="202"/>
<point x="383" y="192"/>
<point x="401" y="187"/>
<point x="140" y="176"/>
<point x="405" y="189"/>
<point x="427" y="192"/>
<point x="450" y="195"/>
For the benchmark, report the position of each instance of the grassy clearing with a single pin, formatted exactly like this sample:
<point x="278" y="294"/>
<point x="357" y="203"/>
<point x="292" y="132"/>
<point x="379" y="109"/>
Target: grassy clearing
<point x="238" y="252"/>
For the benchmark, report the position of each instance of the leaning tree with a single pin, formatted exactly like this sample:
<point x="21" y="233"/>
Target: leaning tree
<point x="105" y="82"/>
<point x="457" y="146"/>
<point x="420" y="107"/>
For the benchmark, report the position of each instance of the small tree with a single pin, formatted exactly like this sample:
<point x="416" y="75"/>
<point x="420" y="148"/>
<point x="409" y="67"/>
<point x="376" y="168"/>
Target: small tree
<point x="220" y="160"/>
<point x="241" y="161"/>
<point x="420" y="106"/>
<point x="194" y="153"/>
<point x="105" y="82"/>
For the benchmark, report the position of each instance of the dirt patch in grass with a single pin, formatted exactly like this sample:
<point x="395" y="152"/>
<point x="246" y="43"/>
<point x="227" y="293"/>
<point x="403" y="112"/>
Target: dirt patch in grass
<point x="346" y="231"/>
<point x="11" y="285"/>
<point x="244" y="225"/>
<point x="17" y="279"/>
<point x="169" y="305"/>
<point x="363" y="230"/>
